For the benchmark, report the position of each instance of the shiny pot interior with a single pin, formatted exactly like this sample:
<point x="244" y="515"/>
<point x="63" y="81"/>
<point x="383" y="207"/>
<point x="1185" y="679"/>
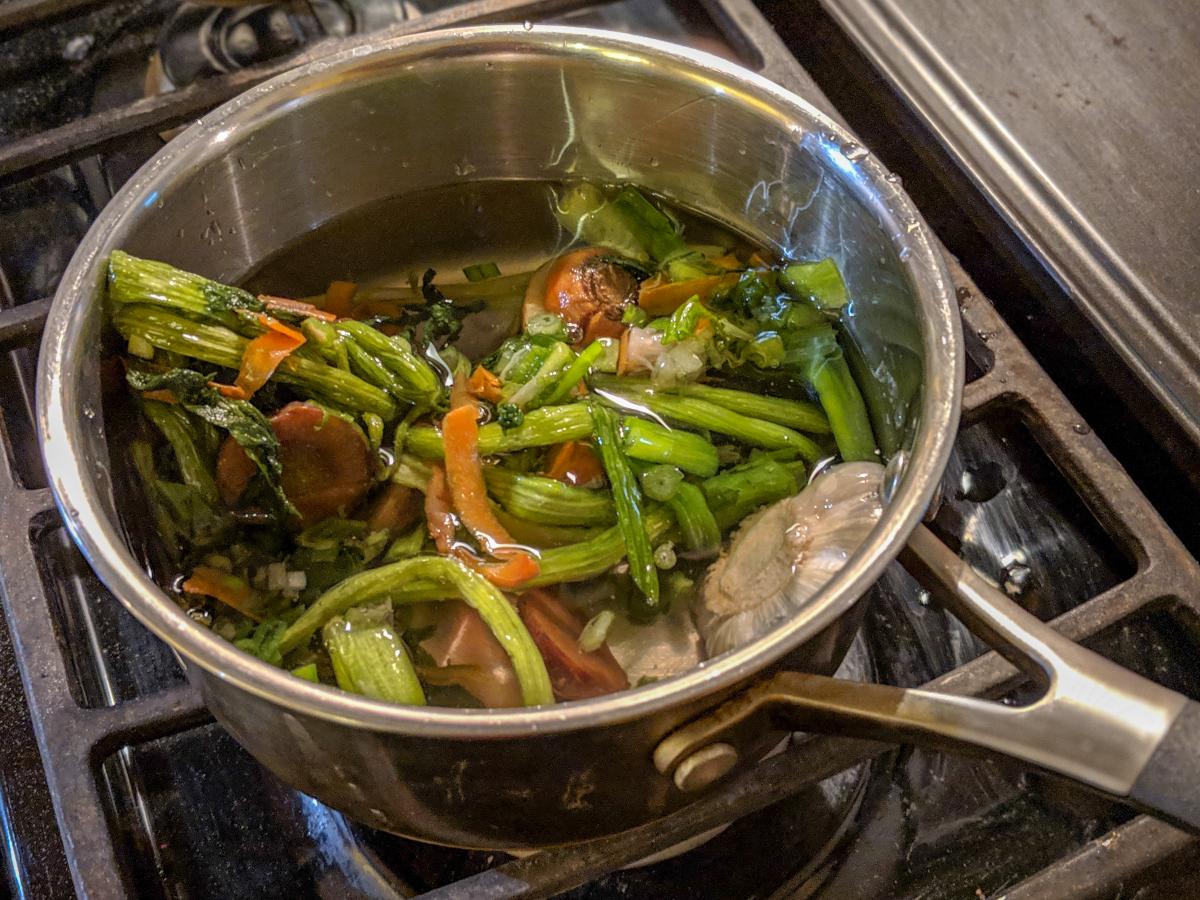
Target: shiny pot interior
<point x="503" y="103"/>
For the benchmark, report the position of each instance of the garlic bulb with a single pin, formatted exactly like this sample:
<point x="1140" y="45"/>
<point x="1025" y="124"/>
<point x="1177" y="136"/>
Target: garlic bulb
<point x="783" y="555"/>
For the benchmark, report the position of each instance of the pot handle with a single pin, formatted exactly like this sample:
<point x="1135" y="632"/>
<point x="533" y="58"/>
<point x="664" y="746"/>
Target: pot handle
<point x="1095" y="722"/>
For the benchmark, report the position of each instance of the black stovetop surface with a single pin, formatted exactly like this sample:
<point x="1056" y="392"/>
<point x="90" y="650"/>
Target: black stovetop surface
<point x="195" y="816"/>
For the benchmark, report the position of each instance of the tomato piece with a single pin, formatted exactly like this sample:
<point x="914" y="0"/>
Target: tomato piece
<point x="586" y="290"/>
<point x="476" y="659"/>
<point x="574" y="462"/>
<point x="395" y="508"/>
<point x="326" y="463"/>
<point x="574" y="673"/>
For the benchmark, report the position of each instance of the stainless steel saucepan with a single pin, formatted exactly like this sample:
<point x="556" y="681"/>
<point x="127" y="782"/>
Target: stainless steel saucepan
<point x="508" y="103"/>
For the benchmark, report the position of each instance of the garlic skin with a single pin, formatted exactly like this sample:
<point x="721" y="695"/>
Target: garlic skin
<point x="782" y="556"/>
<point x="670" y="645"/>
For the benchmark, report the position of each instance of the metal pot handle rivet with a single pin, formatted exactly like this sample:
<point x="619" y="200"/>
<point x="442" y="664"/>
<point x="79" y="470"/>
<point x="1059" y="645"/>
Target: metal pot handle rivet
<point x="1095" y="722"/>
<point x="705" y="766"/>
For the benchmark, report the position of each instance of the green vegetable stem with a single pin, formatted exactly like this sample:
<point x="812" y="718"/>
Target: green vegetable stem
<point x="627" y="499"/>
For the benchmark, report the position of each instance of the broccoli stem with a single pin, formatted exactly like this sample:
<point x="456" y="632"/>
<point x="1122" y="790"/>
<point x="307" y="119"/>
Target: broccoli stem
<point x="650" y="442"/>
<point x="843" y="403"/>
<point x="597" y="555"/>
<point x="627" y="500"/>
<point x="547" y="500"/>
<point x="369" y="368"/>
<point x="135" y="280"/>
<point x="797" y="414"/>
<point x="396" y="354"/>
<point x="397" y="582"/>
<point x="702" y="414"/>
<point x="541" y="428"/>
<point x="542" y="535"/>
<point x="370" y="659"/>
<point x="696" y="522"/>
<point x="214" y="344"/>
<point x="820" y="282"/>
<point x="176" y="427"/>
<point x="734" y="494"/>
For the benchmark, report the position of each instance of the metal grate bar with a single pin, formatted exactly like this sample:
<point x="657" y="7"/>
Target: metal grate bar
<point x="1092" y="872"/>
<point x="20" y="324"/>
<point x="74" y="740"/>
<point x="550" y="872"/>
<point x="48" y="150"/>
<point x="14" y="13"/>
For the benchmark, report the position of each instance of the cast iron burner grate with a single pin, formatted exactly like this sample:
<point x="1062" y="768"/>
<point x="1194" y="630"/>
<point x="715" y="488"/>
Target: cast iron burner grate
<point x="1130" y="581"/>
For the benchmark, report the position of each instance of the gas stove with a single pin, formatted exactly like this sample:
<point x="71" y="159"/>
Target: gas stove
<point x="115" y="782"/>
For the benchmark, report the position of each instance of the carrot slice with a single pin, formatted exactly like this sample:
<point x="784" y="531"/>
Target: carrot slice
<point x="484" y="385"/>
<point x="663" y="298"/>
<point x="512" y="573"/>
<point x="228" y="588"/>
<point x="338" y="297"/>
<point x="575" y="463"/>
<point x="162" y="396"/>
<point x="623" y="353"/>
<point x="325" y="460"/>
<point x="296" y="307"/>
<point x="235" y="470"/>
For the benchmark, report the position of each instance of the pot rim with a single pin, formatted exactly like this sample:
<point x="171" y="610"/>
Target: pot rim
<point x="60" y="432"/>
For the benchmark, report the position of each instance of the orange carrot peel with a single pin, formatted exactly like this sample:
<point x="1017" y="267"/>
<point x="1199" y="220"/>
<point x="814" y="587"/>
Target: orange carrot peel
<point x="262" y="357"/>
<point x="228" y="588"/>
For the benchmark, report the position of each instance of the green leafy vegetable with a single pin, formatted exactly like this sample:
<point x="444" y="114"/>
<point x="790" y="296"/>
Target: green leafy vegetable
<point x="263" y="642"/>
<point x="240" y="418"/>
